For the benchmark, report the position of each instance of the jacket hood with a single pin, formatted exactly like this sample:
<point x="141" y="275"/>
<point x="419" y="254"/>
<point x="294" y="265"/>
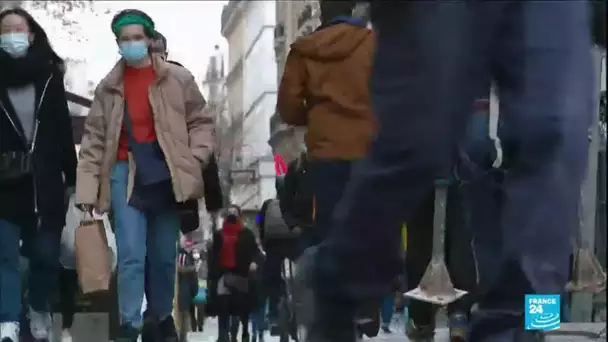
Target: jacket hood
<point x="334" y="41"/>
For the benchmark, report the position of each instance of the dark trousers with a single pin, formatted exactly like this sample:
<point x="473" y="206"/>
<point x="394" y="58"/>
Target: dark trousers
<point x="329" y="179"/>
<point x="68" y="290"/>
<point x="197" y="317"/>
<point x="228" y="326"/>
<point x="459" y="254"/>
<point x="430" y="59"/>
<point x="277" y="251"/>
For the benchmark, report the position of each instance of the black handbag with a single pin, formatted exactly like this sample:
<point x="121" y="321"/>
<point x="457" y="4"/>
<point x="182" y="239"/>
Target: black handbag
<point x="15" y="164"/>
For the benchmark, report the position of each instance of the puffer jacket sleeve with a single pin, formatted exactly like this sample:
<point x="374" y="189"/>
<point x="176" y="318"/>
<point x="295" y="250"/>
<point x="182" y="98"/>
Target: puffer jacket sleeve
<point x="291" y="99"/>
<point x="92" y="149"/>
<point x="201" y="128"/>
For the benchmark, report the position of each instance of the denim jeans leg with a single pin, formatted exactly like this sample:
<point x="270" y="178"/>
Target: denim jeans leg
<point x="10" y="277"/>
<point x="130" y="227"/>
<point x="44" y="268"/>
<point x="163" y="234"/>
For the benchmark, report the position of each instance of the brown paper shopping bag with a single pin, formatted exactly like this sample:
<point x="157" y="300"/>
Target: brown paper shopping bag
<point x="93" y="256"/>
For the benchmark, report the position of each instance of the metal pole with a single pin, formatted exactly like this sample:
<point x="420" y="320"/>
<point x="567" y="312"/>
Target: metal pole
<point x="582" y="303"/>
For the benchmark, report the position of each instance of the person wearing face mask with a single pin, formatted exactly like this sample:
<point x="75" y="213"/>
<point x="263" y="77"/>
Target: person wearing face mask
<point x="37" y="171"/>
<point x="231" y="269"/>
<point x="145" y="141"/>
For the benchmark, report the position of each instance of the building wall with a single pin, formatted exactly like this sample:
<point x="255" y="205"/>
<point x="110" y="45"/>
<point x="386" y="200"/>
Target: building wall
<point x="259" y="100"/>
<point x="76" y="81"/>
<point x="251" y="98"/>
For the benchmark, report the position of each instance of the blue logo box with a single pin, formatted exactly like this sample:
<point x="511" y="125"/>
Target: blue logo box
<point x="542" y="312"/>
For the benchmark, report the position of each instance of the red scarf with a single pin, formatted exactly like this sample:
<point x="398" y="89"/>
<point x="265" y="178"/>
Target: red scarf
<point x="230" y="237"/>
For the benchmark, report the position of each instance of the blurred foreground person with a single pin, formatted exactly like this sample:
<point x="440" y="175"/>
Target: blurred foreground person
<point x="431" y="59"/>
<point x="37" y="171"/>
<point x="231" y="265"/>
<point x="146" y="166"/>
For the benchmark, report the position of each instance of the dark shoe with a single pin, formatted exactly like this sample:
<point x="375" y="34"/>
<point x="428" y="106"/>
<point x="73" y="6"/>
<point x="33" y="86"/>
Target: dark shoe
<point x="166" y="330"/>
<point x="459" y="327"/>
<point x="420" y="333"/>
<point x="149" y="330"/>
<point x="273" y="326"/>
<point x="368" y="318"/>
<point x="386" y="328"/>
<point x="127" y="333"/>
<point x="332" y="323"/>
<point x="245" y="337"/>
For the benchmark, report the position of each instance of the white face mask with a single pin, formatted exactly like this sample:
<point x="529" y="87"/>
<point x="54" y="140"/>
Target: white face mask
<point x="15" y="44"/>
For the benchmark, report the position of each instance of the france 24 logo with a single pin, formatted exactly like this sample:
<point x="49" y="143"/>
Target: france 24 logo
<point x="542" y="312"/>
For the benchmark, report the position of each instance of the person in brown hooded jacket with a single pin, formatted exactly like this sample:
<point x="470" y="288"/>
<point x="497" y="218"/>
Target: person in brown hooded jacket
<point x="325" y="87"/>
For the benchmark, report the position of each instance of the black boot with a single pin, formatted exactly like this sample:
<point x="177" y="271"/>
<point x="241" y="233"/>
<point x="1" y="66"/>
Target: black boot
<point x="333" y="322"/>
<point x="166" y="330"/>
<point x="127" y="333"/>
<point x="149" y="331"/>
<point x="245" y="336"/>
<point x="420" y="333"/>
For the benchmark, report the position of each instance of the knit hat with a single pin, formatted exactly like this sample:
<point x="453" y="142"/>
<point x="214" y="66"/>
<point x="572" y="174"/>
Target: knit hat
<point x="130" y="17"/>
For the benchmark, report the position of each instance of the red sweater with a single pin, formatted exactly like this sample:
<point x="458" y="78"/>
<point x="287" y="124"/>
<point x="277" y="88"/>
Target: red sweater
<point x="136" y="84"/>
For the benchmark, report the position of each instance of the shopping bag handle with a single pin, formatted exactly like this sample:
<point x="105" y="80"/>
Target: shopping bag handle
<point x="87" y="217"/>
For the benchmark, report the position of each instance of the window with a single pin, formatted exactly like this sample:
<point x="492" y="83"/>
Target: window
<point x="279" y="30"/>
<point x="305" y="15"/>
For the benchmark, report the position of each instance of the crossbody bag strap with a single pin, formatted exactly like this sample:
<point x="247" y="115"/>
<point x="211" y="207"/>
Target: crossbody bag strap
<point x="128" y="126"/>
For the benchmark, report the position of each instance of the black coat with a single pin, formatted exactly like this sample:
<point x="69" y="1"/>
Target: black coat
<point x="247" y="252"/>
<point x="296" y="196"/>
<point x="54" y="158"/>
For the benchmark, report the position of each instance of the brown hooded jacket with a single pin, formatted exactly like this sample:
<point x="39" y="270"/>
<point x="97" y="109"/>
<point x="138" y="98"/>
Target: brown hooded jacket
<point x="325" y="87"/>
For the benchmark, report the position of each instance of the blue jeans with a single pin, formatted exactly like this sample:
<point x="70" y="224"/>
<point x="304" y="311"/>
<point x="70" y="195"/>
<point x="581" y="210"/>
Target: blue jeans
<point x="387" y="308"/>
<point x="258" y="319"/>
<point x="139" y="235"/>
<point x="43" y="269"/>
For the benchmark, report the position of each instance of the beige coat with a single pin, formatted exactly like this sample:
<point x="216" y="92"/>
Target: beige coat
<point x="185" y="132"/>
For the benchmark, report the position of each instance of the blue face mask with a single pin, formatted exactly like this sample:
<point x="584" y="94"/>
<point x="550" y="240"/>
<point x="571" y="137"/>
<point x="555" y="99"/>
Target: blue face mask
<point x="15" y="44"/>
<point x="133" y="51"/>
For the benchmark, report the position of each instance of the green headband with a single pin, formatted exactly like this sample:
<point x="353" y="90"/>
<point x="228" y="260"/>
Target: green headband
<point x="130" y="19"/>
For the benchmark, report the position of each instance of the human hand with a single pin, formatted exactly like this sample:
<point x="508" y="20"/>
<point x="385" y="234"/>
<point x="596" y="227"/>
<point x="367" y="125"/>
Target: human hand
<point x="253" y="267"/>
<point x="86" y="208"/>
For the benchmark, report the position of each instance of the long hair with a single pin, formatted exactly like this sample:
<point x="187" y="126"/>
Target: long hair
<point x="41" y="41"/>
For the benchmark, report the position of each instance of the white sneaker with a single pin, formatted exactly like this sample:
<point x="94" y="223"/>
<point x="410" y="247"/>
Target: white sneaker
<point x="9" y="332"/>
<point x="40" y="325"/>
<point x="66" y="336"/>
